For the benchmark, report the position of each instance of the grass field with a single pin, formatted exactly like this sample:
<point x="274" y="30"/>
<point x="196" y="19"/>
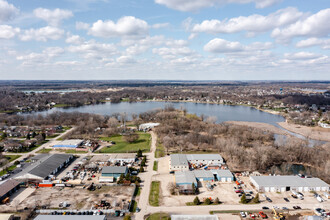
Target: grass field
<point x="73" y="151"/>
<point x="122" y="146"/>
<point x="155" y="167"/>
<point x="4" y="171"/>
<point x="44" y="151"/>
<point x="154" y="193"/>
<point x="160" y="151"/>
<point x="159" y="216"/>
<point x="12" y="157"/>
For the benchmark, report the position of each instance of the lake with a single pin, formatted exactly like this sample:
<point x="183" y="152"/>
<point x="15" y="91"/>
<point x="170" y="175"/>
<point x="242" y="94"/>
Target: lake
<point x="221" y="112"/>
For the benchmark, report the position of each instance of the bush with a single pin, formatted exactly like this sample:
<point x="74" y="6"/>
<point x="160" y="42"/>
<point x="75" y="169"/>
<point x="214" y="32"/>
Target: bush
<point x="131" y="138"/>
<point x="207" y="201"/>
<point x="139" y="153"/>
<point x="216" y="201"/>
<point x="197" y="201"/>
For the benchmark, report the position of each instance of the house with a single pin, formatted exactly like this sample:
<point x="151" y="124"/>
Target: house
<point x="7" y="188"/>
<point x="223" y="175"/>
<point x="111" y="173"/>
<point x="287" y="183"/>
<point x="45" y="167"/>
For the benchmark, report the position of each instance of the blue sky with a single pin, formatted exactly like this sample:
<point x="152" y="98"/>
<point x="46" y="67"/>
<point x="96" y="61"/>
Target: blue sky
<point x="165" y="39"/>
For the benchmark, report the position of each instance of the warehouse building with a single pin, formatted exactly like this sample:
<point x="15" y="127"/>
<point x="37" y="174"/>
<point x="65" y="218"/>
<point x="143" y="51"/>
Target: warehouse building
<point x="111" y="173"/>
<point x="185" y="178"/>
<point x="287" y="183"/>
<point x="203" y="175"/>
<point x="68" y="144"/>
<point x="7" y="188"/>
<point x="45" y="167"/>
<point x="122" y="158"/>
<point x="223" y="175"/>
<point x="182" y="162"/>
<point x="179" y="162"/>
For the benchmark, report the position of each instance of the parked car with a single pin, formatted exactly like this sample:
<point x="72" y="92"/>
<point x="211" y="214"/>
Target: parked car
<point x="286" y="199"/>
<point x="294" y="196"/>
<point x="285" y="208"/>
<point x="262" y="214"/>
<point x="238" y="191"/>
<point x="296" y="207"/>
<point x="265" y="207"/>
<point x="243" y="214"/>
<point x="268" y="199"/>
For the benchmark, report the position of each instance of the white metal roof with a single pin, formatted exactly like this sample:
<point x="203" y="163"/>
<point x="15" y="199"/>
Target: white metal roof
<point x="222" y="173"/>
<point x="292" y="181"/>
<point x="203" y="174"/>
<point x="194" y="217"/>
<point x="185" y="177"/>
<point x="179" y="159"/>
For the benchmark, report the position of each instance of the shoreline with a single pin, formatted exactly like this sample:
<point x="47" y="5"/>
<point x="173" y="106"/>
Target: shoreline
<point x="316" y="133"/>
<point x="262" y="126"/>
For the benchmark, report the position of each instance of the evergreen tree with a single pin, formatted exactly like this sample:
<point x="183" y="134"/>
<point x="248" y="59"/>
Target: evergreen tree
<point x="193" y="188"/>
<point x="207" y="201"/>
<point x="256" y="199"/>
<point x="243" y="199"/>
<point x="28" y="136"/>
<point x="141" y="169"/>
<point x="139" y="153"/>
<point x="197" y="201"/>
<point x="216" y="201"/>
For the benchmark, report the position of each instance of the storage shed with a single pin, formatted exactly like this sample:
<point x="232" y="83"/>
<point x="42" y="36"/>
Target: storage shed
<point x="203" y="175"/>
<point x="185" y="178"/>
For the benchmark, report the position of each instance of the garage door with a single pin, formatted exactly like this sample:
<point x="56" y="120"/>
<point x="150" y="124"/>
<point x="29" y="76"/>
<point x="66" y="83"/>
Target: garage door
<point x="272" y="189"/>
<point x="267" y="189"/>
<point x="229" y="180"/>
<point x="318" y="188"/>
<point x="223" y="179"/>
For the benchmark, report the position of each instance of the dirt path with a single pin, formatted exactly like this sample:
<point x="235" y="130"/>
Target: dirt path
<point x="146" y="178"/>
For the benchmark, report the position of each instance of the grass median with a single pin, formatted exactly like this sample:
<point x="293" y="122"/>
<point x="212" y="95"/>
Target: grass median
<point x="154" y="193"/>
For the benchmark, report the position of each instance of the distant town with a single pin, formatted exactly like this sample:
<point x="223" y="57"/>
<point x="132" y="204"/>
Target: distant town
<point x="166" y="163"/>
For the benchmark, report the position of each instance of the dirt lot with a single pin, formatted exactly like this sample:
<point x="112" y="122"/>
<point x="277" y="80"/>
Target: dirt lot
<point x="77" y="197"/>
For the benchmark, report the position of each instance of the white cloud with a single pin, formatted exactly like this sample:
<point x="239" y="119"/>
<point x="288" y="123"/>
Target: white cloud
<point x="41" y="58"/>
<point x="74" y="39"/>
<point x="125" y="26"/>
<point x="94" y="50"/>
<point x="52" y="17"/>
<point x="7" y="11"/>
<point x="195" y="5"/>
<point x="310" y="42"/>
<point x="252" y="23"/>
<point x="82" y="26"/>
<point x="125" y="59"/>
<point x="316" y="25"/>
<point x="166" y="52"/>
<point x="7" y="32"/>
<point x="301" y="56"/>
<point x="160" y="25"/>
<point x="42" y="34"/>
<point x="218" y="45"/>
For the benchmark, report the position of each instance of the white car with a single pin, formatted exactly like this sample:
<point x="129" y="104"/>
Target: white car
<point x="243" y="214"/>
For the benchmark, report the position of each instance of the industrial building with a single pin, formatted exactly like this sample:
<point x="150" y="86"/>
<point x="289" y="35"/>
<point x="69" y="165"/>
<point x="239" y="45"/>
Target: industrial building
<point x="203" y="175"/>
<point x="182" y="162"/>
<point x="44" y="167"/>
<point x="287" y="183"/>
<point x="7" y="188"/>
<point x="111" y="173"/>
<point x="68" y="144"/>
<point x="185" y="178"/>
<point x="223" y="175"/>
<point x="71" y="217"/>
<point x="122" y="158"/>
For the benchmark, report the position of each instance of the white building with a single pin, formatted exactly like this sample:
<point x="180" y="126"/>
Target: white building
<point x="287" y="183"/>
<point x="181" y="162"/>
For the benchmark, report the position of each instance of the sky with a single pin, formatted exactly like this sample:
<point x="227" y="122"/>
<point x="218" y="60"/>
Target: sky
<point x="165" y="39"/>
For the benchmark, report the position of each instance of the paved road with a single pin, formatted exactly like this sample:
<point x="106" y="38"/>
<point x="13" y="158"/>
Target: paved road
<point x="146" y="177"/>
<point x="206" y="209"/>
<point x="24" y="155"/>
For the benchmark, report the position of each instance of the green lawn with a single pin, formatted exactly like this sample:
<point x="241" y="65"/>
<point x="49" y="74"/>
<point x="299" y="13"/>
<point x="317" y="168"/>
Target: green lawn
<point x="73" y="151"/>
<point x="12" y="157"/>
<point x="160" y="151"/>
<point x="44" y="151"/>
<point x="159" y="216"/>
<point x="53" y="136"/>
<point x="61" y="105"/>
<point x="122" y="146"/>
<point x="133" y="206"/>
<point x="154" y="193"/>
<point x="155" y="167"/>
<point x="4" y="171"/>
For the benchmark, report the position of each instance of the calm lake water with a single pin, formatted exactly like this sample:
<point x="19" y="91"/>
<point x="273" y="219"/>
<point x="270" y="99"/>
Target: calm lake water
<point x="221" y="112"/>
